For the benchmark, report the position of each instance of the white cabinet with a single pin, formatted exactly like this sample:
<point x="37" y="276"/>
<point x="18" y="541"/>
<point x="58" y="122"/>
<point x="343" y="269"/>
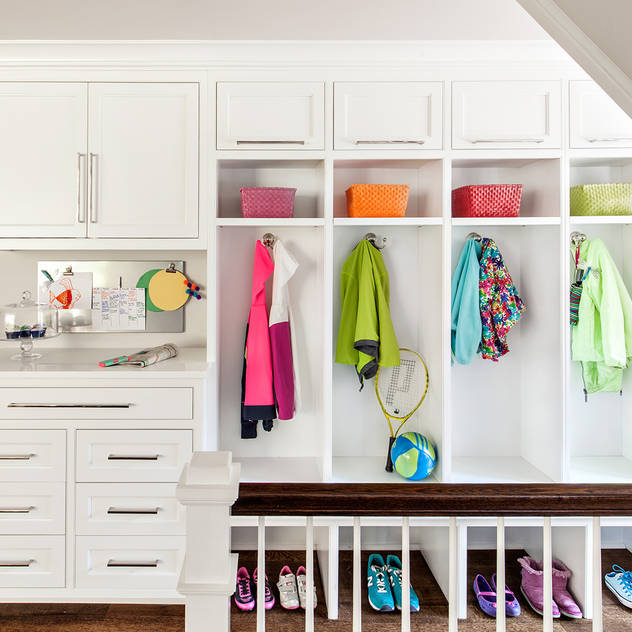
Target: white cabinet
<point x="271" y="115"/>
<point x="595" y="119"/>
<point x="505" y="114"/>
<point x="143" y="160"/>
<point x="30" y="561"/>
<point x="43" y="146"/>
<point x="388" y="115"/>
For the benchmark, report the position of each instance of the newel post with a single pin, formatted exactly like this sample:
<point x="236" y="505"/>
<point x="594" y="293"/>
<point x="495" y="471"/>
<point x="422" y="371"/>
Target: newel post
<point x="208" y="487"/>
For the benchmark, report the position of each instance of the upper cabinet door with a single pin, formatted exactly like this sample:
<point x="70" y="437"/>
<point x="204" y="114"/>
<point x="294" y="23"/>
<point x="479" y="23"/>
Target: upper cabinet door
<point x="143" y="160"/>
<point x="596" y="120"/>
<point x="388" y="115"/>
<point x="274" y="115"/>
<point x="43" y="138"/>
<point x="505" y="114"/>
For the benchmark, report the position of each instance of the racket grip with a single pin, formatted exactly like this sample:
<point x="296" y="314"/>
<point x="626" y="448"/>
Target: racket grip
<point x="389" y="462"/>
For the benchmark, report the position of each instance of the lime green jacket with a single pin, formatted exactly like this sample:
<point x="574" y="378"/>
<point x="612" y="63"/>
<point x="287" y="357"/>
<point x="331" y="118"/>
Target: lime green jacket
<point x="366" y="336"/>
<point x="602" y="340"/>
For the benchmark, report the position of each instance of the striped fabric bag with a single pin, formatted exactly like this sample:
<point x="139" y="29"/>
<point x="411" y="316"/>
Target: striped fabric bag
<point x="575" y="297"/>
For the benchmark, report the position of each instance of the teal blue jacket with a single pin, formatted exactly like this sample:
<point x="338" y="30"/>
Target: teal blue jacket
<point x="466" y="312"/>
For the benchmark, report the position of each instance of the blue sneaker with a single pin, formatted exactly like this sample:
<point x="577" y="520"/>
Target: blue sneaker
<point x="380" y="595"/>
<point x="619" y="583"/>
<point x="394" y="569"/>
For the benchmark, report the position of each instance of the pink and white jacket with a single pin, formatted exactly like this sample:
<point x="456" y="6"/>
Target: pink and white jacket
<point x="282" y="338"/>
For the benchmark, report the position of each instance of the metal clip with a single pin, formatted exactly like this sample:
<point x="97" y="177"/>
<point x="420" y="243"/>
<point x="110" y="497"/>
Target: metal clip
<point x="69" y="271"/>
<point x="171" y="268"/>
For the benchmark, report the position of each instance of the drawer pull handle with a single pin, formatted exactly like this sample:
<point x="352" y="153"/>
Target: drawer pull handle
<point x="16" y="510"/>
<point x="607" y="140"/>
<point x="16" y="457"/>
<point x="133" y="457"/>
<point x="506" y="140"/>
<point x="29" y="405"/>
<point x="389" y="142"/>
<point x="17" y="564"/>
<point x="270" y="142"/>
<point x="121" y="511"/>
<point x="115" y="564"/>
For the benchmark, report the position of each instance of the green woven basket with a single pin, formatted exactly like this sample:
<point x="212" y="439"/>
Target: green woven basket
<point x="602" y="199"/>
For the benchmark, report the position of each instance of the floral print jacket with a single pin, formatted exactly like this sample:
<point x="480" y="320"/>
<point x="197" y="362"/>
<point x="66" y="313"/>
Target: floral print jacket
<point x="501" y="307"/>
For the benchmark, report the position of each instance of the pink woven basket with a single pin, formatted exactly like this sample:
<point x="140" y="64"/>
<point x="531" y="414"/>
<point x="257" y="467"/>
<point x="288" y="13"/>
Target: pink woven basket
<point x="267" y="201"/>
<point x="487" y="200"/>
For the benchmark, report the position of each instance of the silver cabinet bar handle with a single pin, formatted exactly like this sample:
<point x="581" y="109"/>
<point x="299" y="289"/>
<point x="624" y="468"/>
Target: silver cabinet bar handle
<point x="115" y="564"/>
<point x="389" y="142"/>
<point x="121" y="511"/>
<point x="608" y="140"/>
<point x="17" y="564"/>
<point x="133" y="457"/>
<point x="40" y="405"/>
<point x="506" y="140"/>
<point x="270" y="142"/>
<point x="16" y="457"/>
<point x="16" y="510"/>
<point x="93" y="210"/>
<point x="81" y="216"/>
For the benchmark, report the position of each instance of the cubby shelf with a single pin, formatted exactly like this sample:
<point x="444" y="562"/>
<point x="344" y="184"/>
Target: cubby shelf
<point x="506" y="221"/>
<point x="601" y="219"/>
<point x="368" y="469"/>
<point x="270" y="221"/>
<point x="388" y="221"/>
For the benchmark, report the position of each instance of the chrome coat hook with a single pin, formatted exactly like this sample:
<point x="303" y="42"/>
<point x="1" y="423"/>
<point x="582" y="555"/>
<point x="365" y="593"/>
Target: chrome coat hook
<point x="268" y="240"/>
<point x="379" y="243"/>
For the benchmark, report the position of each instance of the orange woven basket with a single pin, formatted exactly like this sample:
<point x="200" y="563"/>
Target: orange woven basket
<point x="377" y="200"/>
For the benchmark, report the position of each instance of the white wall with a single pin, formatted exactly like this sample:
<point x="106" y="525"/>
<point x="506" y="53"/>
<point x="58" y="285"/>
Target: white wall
<point x="271" y="20"/>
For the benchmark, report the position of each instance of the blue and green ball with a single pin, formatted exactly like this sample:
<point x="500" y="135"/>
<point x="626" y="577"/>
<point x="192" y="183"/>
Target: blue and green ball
<point x="413" y="456"/>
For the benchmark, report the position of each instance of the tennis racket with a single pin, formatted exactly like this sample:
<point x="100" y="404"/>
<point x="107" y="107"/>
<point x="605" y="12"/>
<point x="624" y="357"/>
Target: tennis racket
<point x="400" y="390"/>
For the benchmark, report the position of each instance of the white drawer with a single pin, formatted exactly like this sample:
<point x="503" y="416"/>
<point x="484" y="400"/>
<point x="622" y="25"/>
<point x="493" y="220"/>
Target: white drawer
<point x="119" y="562"/>
<point x="32" y="455"/>
<point x="129" y="509"/>
<point x="96" y="403"/>
<point x="270" y="115"/>
<point x="32" y="561"/>
<point x="505" y="114"/>
<point x="595" y="119"/>
<point x="32" y="508"/>
<point x="130" y="456"/>
<point x="388" y="115"/>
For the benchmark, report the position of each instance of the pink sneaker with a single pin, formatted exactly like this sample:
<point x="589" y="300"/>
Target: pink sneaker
<point x="243" y="597"/>
<point x="269" y="597"/>
<point x="561" y="596"/>
<point x="532" y="586"/>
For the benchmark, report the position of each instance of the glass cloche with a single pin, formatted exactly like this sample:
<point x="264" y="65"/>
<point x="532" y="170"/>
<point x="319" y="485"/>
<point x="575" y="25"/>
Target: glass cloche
<point x="26" y="321"/>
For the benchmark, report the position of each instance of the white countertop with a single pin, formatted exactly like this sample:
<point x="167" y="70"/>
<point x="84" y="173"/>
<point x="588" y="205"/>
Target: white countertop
<point x="190" y="362"/>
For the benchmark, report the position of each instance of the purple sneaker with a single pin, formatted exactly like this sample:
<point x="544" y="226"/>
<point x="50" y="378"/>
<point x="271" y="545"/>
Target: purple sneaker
<point x="512" y="606"/>
<point x="269" y="597"/>
<point x="561" y="596"/>
<point x="485" y="595"/>
<point x="244" y="599"/>
<point x="532" y="586"/>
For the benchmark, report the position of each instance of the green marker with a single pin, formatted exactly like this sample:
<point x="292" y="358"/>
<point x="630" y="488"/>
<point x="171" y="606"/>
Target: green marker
<point x="114" y="361"/>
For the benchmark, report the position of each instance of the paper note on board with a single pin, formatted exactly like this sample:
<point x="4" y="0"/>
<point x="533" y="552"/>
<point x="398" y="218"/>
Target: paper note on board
<point x="70" y="292"/>
<point x="118" y="309"/>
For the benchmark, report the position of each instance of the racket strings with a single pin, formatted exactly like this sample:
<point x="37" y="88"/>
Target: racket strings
<point x="401" y="389"/>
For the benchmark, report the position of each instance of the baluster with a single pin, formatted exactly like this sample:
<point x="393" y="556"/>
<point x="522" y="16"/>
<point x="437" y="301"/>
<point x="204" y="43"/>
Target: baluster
<point x="309" y="572"/>
<point x="597" y="623"/>
<point x="261" y="574"/>
<point x="357" y="575"/>
<point x="500" y="575"/>
<point x="547" y="568"/>
<point x="405" y="575"/>
<point x="453" y="610"/>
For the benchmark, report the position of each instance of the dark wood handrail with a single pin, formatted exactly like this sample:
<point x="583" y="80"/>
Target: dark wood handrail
<point x="430" y="499"/>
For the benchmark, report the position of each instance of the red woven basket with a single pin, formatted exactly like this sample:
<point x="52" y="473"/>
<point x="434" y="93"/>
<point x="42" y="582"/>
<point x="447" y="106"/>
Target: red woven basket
<point x="267" y="201"/>
<point x="487" y="200"/>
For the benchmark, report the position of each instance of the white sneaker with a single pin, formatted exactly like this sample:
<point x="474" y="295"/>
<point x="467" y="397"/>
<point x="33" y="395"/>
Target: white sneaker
<point x="301" y="578"/>
<point x="288" y="593"/>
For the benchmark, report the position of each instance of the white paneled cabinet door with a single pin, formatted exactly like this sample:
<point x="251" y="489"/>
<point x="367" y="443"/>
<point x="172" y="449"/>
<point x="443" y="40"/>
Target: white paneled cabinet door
<point x="143" y="160"/>
<point x="42" y="159"/>
<point x="505" y="114"/>
<point x="387" y="115"/>
<point x="596" y="120"/>
<point x="271" y="115"/>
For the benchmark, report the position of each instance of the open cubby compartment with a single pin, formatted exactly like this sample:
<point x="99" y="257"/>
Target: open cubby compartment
<point x="413" y="259"/>
<point x="305" y="175"/>
<point x="429" y="567"/>
<point x="571" y="540"/>
<point x="506" y="416"/>
<point x="293" y="450"/>
<point x="599" y="431"/>
<point x="425" y="178"/>
<point x="540" y="179"/>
